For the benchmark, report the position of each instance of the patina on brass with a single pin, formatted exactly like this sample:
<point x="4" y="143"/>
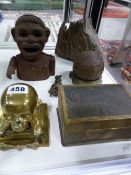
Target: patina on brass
<point x="23" y="118"/>
<point x="92" y="114"/>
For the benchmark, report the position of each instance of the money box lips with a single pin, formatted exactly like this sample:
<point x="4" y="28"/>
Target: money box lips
<point x="31" y="49"/>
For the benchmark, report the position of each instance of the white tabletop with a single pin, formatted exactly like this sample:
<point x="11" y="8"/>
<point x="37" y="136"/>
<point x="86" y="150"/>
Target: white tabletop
<point x="23" y="162"/>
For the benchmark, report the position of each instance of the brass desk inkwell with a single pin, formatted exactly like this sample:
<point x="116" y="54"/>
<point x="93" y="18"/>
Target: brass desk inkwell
<point x="23" y="118"/>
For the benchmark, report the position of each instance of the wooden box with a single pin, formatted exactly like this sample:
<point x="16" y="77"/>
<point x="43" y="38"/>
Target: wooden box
<point x="92" y="114"/>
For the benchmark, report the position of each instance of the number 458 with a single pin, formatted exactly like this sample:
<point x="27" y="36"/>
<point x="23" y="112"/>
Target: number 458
<point x="17" y="88"/>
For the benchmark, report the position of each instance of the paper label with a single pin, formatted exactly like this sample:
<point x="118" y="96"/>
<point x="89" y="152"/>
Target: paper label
<point x="17" y="89"/>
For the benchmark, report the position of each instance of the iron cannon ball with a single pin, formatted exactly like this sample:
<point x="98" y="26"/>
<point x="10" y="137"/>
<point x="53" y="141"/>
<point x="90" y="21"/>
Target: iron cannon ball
<point x="89" y="65"/>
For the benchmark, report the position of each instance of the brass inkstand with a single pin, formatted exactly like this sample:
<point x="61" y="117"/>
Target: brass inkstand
<point x="23" y="118"/>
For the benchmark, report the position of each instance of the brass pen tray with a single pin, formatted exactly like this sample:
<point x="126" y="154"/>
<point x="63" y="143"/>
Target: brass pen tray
<point x="93" y="114"/>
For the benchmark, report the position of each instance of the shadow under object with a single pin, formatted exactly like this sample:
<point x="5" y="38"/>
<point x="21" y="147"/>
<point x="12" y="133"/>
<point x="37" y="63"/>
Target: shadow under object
<point x="93" y="114"/>
<point x="78" y="37"/>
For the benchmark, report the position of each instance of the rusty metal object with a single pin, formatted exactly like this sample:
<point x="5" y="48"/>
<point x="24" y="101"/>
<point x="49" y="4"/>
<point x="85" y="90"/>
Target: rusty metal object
<point x="31" y="35"/>
<point x="88" y="65"/>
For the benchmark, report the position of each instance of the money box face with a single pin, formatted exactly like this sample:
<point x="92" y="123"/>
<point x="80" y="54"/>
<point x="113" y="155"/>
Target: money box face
<point x="30" y="39"/>
<point x="18" y="104"/>
<point x="30" y="34"/>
